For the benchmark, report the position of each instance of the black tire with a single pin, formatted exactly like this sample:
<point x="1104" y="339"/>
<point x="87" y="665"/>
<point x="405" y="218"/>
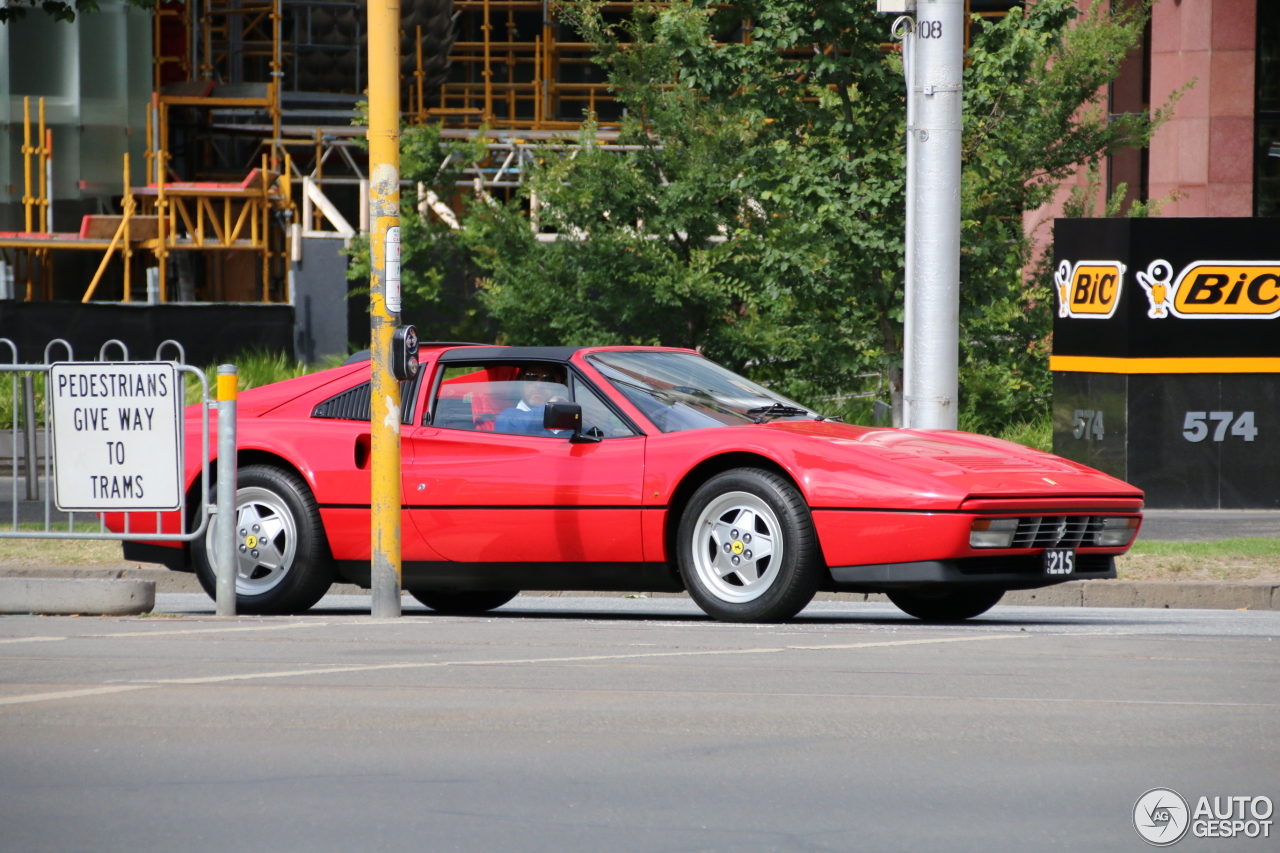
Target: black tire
<point x="463" y="603"/>
<point x="305" y="570"/>
<point x="946" y="605"/>
<point x="781" y="588"/>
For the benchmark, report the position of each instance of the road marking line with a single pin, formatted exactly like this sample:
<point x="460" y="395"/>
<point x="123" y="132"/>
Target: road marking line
<point x="254" y="676"/>
<point x="71" y="694"/>
<point x="170" y="633"/>
<point x="217" y="679"/>
<point x="604" y="691"/>
<point x="211" y="630"/>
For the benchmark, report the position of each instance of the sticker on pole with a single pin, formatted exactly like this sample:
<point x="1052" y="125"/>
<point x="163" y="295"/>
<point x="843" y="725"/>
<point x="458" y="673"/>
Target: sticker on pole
<point x="117" y="435"/>
<point x="391" y="276"/>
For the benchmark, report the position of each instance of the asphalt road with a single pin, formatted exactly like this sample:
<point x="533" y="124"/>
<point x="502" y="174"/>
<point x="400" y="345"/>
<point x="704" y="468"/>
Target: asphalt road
<point x="596" y="724"/>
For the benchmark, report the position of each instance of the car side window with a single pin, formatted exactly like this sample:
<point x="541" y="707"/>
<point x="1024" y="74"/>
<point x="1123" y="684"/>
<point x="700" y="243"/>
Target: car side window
<point x="504" y="398"/>
<point x="596" y="414"/>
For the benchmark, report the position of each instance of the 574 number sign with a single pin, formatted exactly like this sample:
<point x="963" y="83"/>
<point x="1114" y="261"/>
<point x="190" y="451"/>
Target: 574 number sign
<point x="1196" y="426"/>
<point x="1087" y="423"/>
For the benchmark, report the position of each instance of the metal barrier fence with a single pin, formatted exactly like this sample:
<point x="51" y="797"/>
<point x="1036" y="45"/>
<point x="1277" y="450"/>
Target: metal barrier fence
<point x="36" y="424"/>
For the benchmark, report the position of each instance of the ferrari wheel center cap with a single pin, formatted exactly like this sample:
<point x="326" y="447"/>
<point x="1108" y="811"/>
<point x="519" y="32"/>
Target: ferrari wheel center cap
<point x="737" y="547"/>
<point x="251" y="541"/>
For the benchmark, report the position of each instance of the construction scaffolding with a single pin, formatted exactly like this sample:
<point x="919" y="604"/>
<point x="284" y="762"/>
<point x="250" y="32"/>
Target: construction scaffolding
<point x="250" y="146"/>
<point x="158" y="219"/>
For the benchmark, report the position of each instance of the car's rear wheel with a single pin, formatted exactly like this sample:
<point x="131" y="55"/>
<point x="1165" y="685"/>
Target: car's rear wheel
<point x="747" y="549"/>
<point x="283" y="563"/>
<point x="946" y="605"/>
<point x="463" y="603"/>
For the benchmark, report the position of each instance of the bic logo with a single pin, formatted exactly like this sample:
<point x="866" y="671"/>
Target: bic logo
<point x="1090" y="289"/>
<point x="1221" y="290"/>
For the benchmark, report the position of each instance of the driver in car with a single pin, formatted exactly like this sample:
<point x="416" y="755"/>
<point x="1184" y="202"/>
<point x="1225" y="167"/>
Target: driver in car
<point x="539" y="385"/>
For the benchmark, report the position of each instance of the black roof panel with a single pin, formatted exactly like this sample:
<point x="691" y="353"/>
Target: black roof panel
<point x="513" y="353"/>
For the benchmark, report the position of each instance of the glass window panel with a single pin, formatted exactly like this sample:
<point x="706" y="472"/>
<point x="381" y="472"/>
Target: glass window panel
<point x="596" y="414"/>
<point x="502" y="398"/>
<point x="681" y="391"/>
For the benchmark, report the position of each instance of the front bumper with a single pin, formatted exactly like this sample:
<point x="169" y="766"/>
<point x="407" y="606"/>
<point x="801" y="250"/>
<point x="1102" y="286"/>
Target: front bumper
<point x="1019" y="571"/>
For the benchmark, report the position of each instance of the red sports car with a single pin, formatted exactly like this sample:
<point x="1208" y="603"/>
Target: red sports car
<point x="641" y="468"/>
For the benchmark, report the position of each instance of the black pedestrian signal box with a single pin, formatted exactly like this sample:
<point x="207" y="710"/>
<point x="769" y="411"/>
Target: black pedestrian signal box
<point x="1166" y="356"/>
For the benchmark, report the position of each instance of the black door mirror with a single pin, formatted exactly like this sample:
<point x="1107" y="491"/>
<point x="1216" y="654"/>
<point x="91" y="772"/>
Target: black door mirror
<point x="562" y="416"/>
<point x="566" y="416"/>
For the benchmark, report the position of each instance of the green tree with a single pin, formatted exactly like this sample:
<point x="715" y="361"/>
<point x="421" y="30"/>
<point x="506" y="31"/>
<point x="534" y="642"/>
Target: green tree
<point x="788" y="145"/>
<point x="431" y="247"/>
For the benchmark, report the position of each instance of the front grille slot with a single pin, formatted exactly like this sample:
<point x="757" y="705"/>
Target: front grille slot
<point x="1057" y="531"/>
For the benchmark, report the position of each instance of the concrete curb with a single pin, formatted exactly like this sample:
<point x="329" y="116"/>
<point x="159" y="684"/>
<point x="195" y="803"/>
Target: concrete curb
<point x="64" y="596"/>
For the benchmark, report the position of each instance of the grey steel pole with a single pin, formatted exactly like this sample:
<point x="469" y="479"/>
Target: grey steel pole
<point x="225" y="527"/>
<point x="933" y="349"/>
<point x="29" y="435"/>
<point x="906" y="26"/>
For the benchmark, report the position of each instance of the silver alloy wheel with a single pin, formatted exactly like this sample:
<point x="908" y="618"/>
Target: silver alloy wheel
<point x="266" y="540"/>
<point x="737" y="547"/>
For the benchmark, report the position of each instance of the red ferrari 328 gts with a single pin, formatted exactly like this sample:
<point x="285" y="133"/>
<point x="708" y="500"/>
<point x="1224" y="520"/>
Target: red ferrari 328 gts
<point x="641" y="468"/>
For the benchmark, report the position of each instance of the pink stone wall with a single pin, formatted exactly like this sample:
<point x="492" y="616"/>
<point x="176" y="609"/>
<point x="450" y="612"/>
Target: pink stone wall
<point x="1205" y="152"/>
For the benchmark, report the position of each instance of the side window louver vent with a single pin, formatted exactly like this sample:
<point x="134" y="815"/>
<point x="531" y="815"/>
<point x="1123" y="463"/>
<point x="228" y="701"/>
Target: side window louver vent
<point x="353" y="404"/>
<point x="350" y="405"/>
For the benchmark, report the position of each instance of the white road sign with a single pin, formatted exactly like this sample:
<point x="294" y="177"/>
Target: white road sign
<point x="117" y="435"/>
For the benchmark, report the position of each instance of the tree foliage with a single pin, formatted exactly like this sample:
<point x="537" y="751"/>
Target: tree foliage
<point x="755" y="207"/>
<point x="430" y="249"/>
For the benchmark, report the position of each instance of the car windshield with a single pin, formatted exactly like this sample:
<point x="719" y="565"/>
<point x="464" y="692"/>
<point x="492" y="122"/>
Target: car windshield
<point x="681" y="391"/>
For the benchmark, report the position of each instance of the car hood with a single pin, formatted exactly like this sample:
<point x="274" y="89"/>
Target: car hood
<point x="952" y="465"/>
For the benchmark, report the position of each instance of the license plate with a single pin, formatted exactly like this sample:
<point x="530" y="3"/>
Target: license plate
<point x="1059" y="561"/>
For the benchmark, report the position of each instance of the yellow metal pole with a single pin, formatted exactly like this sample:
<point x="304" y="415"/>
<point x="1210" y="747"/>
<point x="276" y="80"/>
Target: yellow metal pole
<point x="162" y="253"/>
<point x="27" y="151"/>
<point x="265" y="233"/>
<point x="150" y="146"/>
<point x="277" y="75"/>
<point x="488" y="68"/>
<point x="126" y="251"/>
<point x="420" y="75"/>
<point x="316" y="174"/>
<point x="40" y="150"/>
<point x="102" y="265"/>
<point x="384" y="299"/>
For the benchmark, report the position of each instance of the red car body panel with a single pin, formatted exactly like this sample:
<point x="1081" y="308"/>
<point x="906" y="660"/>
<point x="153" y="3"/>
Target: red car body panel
<point x="877" y="495"/>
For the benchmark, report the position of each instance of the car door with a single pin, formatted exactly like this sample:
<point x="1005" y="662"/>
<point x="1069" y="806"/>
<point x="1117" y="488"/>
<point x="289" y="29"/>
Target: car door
<point x="484" y="482"/>
<point x="338" y="437"/>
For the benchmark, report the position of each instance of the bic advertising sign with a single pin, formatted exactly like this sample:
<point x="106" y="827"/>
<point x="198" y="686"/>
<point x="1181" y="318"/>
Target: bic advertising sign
<point x="1226" y="290"/>
<point x="1167" y="289"/>
<point x="1089" y="289"/>
<point x="117" y="436"/>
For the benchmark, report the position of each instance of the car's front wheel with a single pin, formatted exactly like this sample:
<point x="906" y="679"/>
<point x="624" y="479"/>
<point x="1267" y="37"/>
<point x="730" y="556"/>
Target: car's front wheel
<point x="946" y="605"/>
<point x="463" y="603"/>
<point x="283" y="563"/>
<point x="747" y="549"/>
